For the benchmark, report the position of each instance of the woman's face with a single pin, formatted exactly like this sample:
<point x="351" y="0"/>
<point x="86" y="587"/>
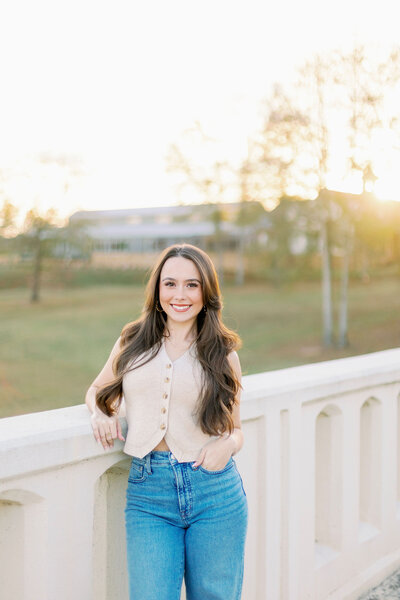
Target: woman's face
<point x="181" y="294"/>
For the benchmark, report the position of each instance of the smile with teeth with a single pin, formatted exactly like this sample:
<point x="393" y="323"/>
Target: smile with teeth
<point x="181" y="307"/>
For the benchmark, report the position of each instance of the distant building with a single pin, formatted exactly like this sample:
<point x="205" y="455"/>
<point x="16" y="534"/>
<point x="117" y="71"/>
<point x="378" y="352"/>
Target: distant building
<point x="149" y="230"/>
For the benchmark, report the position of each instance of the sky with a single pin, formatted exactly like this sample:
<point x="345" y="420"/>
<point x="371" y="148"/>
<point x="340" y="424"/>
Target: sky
<point x="110" y="85"/>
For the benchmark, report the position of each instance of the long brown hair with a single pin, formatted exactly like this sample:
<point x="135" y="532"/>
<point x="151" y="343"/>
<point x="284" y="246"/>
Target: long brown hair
<point x="141" y="340"/>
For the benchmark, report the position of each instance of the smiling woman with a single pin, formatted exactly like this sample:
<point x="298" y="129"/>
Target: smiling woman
<point x="179" y="373"/>
<point x="182" y="295"/>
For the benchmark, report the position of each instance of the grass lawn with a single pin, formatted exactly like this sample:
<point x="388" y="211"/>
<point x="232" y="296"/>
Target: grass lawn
<point x="50" y="352"/>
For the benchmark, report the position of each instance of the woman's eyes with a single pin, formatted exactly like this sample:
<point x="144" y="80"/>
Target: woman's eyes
<point x="192" y="284"/>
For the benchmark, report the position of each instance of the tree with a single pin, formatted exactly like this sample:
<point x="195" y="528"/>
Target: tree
<point x="43" y="237"/>
<point x="316" y="79"/>
<point x="43" y="233"/>
<point x="37" y="238"/>
<point x="205" y="175"/>
<point x="8" y="214"/>
<point x="365" y="85"/>
<point x="292" y="152"/>
<point x="275" y="167"/>
<point x="249" y="218"/>
<point x="295" y="149"/>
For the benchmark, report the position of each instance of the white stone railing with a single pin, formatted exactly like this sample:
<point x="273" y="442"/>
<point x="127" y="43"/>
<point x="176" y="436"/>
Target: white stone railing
<point x="320" y="465"/>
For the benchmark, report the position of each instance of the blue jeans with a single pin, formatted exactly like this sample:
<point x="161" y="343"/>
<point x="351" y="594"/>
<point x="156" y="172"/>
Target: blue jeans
<point x="184" y="522"/>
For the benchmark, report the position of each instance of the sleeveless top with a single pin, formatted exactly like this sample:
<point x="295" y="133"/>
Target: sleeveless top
<point x="160" y="398"/>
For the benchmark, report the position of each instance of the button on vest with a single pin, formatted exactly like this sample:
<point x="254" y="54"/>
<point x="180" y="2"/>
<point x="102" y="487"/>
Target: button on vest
<point x="160" y="398"/>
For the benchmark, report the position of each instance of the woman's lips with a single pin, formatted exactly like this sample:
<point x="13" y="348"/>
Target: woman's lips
<point x="181" y="307"/>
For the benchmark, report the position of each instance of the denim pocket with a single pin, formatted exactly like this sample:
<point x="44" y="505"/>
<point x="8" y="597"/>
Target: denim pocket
<point x="228" y="466"/>
<point x="137" y="472"/>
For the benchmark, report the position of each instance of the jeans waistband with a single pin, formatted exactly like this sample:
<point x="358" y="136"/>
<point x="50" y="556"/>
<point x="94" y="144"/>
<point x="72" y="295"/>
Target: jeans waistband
<point x="159" y="457"/>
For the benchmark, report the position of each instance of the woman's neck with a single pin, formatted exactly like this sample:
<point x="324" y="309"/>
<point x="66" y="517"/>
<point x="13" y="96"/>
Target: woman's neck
<point x="181" y="334"/>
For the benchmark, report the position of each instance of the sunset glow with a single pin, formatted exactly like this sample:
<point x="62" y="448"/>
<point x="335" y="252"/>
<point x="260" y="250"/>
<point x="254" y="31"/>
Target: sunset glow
<point x="112" y="86"/>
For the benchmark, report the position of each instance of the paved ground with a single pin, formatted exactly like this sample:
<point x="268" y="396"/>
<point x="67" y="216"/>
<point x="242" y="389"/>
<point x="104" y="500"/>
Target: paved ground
<point x="389" y="589"/>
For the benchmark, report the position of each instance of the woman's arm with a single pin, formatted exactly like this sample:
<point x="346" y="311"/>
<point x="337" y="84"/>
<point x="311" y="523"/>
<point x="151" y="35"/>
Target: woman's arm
<point x="105" y="376"/>
<point x="236" y="437"/>
<point x="217" y="452"/>
<point x="105" y="429"/>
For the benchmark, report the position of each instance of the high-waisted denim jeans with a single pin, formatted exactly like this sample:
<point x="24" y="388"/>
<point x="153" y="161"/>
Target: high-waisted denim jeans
<point x="184" y="522"/>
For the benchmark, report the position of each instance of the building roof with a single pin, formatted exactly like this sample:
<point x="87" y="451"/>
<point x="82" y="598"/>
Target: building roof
<point x="165" y="222"/>
<point x="151" y="211"/>
<point x="150" y="231"/>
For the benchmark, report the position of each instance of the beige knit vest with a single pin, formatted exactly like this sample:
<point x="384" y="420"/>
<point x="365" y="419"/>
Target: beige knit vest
<point x="160" y="398"/>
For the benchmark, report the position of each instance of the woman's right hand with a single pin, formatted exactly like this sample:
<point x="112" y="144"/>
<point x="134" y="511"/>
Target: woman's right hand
<point x="105" y="429"/>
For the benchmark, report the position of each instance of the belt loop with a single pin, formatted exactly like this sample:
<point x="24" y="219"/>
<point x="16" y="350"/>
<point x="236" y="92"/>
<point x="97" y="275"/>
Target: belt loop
<point x="147" y="463"/>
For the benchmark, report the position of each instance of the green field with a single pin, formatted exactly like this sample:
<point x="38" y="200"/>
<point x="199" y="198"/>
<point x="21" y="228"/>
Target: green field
<point x="50" y="352"/>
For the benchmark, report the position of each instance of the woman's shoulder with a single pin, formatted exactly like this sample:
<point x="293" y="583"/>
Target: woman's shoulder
<point x="143" y="356"/>
<point x="234" y="361"/>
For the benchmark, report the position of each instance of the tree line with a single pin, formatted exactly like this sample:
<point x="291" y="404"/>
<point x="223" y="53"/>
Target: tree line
<point x="341" y="108"/>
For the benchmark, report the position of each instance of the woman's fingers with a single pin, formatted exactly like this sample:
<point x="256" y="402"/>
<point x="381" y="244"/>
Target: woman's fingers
<point x="106" y="429"/>
<point x="200" y="458"/>
<point x="113" y="428"/>
<point x="119" y="431"/>
<point x="96" y="434"/>
<point x="99" y="431"/>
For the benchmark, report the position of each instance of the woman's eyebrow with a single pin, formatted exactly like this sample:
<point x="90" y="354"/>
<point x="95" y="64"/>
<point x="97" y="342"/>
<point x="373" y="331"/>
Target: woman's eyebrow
<point x="172" y="279"/>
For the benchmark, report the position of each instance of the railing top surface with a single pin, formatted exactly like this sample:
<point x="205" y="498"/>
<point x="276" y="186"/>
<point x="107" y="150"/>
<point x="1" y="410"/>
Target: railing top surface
<point x="342" y="374"/>
<point x="64" y="435"/>
<point x="267" y="385"/>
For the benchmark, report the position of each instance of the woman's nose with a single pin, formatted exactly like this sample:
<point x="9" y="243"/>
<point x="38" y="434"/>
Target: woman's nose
<point x="179" y="292"/>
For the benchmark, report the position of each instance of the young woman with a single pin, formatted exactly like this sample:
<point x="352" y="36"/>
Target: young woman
<point x="178" y="371"/>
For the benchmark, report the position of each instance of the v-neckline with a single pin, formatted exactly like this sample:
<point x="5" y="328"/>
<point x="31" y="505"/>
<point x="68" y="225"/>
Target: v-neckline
<point x="179" y="357"/>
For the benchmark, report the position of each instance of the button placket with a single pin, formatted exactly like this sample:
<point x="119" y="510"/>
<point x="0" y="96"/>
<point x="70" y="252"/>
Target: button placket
<point x="166" y="394"/>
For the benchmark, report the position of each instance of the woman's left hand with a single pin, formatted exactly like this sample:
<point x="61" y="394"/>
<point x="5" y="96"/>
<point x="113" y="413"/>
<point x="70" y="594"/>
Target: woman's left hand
<point x="215" y="454"/>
